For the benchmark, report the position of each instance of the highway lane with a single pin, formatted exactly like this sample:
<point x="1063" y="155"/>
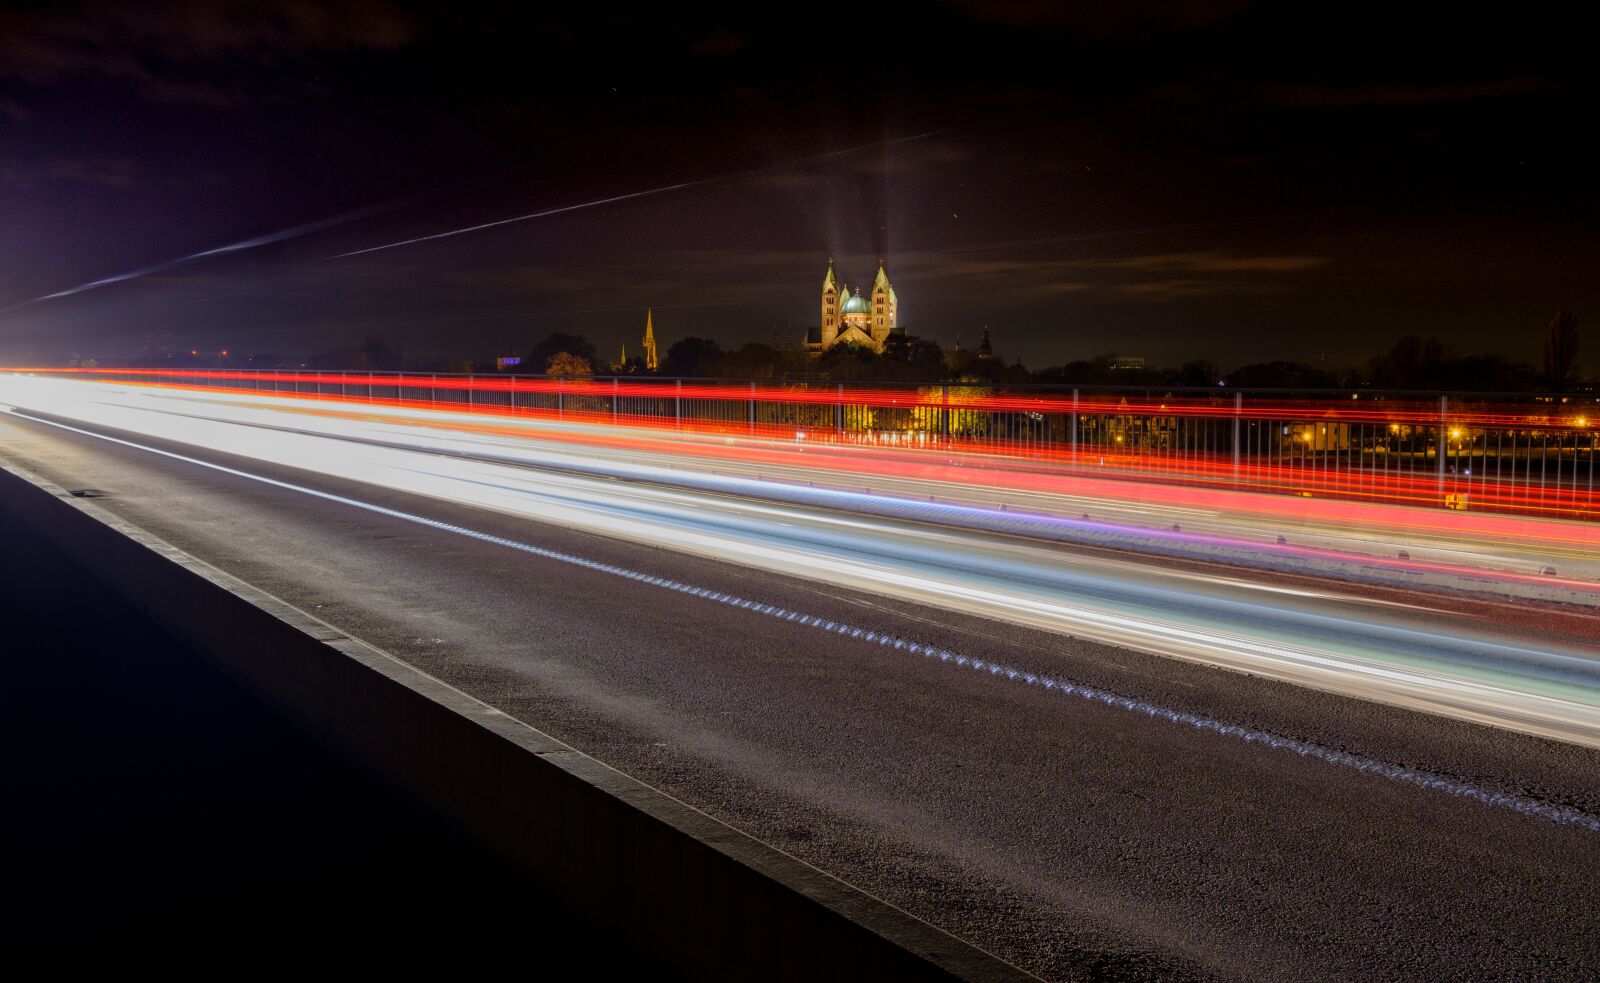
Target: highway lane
<point x="1061" y="833"/>
<point x="1409" y="654"/>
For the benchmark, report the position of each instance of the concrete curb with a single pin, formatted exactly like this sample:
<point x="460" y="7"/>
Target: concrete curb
<point x="678" y="884"/>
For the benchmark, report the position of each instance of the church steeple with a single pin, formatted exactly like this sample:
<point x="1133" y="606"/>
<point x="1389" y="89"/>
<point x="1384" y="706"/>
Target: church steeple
<point x="650" y="363"/>
<point x="882" y="307"/>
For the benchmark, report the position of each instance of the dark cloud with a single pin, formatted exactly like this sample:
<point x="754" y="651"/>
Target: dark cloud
<point x="1169" y="291"/>
<point x="158" y="47"/>
<point x="30" y="175"/>
<point x="1210" y="262"/>
<point x="1130" y="20"/>
<point x="720" y="42"/>
<point x="1356" y="96"/>
<point x="14" y="111"/>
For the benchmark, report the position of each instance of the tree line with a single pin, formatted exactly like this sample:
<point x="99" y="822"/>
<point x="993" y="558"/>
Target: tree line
<point x="1410" y="363"/>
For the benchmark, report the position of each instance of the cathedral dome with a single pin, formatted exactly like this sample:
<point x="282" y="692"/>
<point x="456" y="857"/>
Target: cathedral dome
<point x="857" y="305"/>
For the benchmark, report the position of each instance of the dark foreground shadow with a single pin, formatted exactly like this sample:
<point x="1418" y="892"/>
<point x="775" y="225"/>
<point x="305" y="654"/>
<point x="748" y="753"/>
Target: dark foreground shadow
<point x="155" y="810"/>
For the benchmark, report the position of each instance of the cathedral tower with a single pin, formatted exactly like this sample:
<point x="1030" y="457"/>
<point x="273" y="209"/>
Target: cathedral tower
<point x="830" y="307"/>
<point x="882" y="308"/>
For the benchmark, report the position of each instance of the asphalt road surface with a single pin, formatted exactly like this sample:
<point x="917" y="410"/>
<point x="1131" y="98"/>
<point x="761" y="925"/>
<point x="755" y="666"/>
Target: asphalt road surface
<point x="1140" y="817"/>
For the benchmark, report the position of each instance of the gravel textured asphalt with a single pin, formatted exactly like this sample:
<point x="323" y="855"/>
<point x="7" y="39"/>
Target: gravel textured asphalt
<point x="1077" y="839"/>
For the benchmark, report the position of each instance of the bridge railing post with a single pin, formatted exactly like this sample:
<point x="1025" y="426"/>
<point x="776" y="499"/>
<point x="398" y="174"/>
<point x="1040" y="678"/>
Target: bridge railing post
<point x="1444" y="437"/>
<point x="944" y="413"/>
<point x="1238" y="414"/>
<point x="1072" y="436"/>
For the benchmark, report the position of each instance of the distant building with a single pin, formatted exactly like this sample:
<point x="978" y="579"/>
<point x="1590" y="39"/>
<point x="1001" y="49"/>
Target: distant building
<point x="1127" y="361"/>
<point x="651" y="363"/>
<point x="985" y="350"/>
<point x="864" y="318"/>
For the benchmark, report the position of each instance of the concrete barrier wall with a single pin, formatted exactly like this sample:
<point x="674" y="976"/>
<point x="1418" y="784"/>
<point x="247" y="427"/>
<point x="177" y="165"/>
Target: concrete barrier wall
<point x="672" y="881"/>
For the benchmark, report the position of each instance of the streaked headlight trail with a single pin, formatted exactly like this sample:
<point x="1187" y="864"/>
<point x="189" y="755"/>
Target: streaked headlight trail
<point x="1326" y="639"/>
<point x="1306" y="749"/>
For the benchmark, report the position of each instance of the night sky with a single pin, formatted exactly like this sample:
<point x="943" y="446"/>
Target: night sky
<point x="1222" y="180"/>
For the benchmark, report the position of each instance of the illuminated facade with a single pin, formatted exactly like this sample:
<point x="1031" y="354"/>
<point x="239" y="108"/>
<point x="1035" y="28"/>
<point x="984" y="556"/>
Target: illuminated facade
<point x="866" y="318"/>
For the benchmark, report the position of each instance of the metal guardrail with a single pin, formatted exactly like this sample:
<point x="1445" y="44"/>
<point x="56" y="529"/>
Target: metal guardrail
<point x="1518" y="453"/>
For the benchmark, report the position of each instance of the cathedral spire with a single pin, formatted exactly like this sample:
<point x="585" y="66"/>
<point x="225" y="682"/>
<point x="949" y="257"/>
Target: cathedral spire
<point x="829" y="280"/>
<point x="650" y="363"/>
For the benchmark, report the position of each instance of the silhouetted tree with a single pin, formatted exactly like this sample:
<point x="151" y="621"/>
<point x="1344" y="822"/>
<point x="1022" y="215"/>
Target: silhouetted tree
<point x="1282" y="375"/>
<point x="690" y="356"/>
<point x="1561" y="351"/>
<point x="1492" y="373"/>
<point x="380" y="354"/>
<point x="1078" y="373"/>
<point x="1196" y="374"/>
<point x="1411" y="364"/>
<point x="848" y="361"/>
<point x="555" y="342"/>
<point x="910" y="359"/>
<point x="753" y="361"/>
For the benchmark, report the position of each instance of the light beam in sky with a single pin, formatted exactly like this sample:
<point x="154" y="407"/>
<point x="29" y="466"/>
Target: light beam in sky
<point x="649" y="192"/>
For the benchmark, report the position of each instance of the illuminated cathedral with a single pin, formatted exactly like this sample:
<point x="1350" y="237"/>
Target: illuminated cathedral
<point x="650" y="362"/>
<point x="866" y="318"/>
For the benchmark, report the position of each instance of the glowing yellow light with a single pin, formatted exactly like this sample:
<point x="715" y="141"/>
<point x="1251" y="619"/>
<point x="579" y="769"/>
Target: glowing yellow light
<point x="1582" y="421"/>
<point x="1455" y="432"/>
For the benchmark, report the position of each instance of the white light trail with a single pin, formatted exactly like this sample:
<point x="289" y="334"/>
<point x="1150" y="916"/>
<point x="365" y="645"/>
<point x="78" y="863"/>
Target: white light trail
<point x="887" y="640"/>
<point x="281" y="235"/>
<point x="1328" y="640"/>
